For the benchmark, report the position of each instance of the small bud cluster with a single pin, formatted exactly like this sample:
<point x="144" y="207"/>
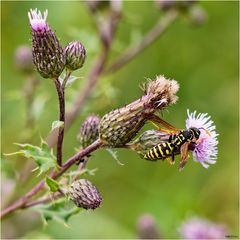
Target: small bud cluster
<point x="89" y="131"/>
<point x="84" y="194"/>
<point x="49" y="57"/>
<point x="119" y="126"/>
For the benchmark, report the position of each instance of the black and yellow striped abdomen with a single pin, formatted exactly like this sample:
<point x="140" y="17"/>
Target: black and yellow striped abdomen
<point x="160" y="151"/>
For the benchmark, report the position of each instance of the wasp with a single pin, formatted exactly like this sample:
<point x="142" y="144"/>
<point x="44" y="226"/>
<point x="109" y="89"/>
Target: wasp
<point x="179" y="141"/>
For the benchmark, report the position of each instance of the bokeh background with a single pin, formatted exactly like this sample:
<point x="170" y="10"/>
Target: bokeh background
<point x="203" y="59"/>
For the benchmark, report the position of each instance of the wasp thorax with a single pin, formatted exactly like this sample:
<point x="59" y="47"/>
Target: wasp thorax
<point x="84" y="194"/>
<point x="119" y="126"/>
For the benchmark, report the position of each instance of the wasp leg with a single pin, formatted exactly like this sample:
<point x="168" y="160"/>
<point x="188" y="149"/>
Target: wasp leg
<point x="170" y="161"/>
<point x="184" y="155"/>
<point x="173" y="160"/>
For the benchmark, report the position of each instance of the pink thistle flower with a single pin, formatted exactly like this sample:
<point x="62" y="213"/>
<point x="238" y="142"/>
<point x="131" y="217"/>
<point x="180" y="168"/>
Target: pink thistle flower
<point x="48" y="55"/>
<point x="197" y="228"/>
<point x="37" y="21"/>
<point x="206" y="149"/>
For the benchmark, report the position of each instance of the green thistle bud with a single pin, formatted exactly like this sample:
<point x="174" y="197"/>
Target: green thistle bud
<point x="84" y="194"/>
<point x="119" y="126"/>
<point x="89" y="131"/>
<point x="148" y="140"/>
<point x="75" y="55"/>
<point x="48" y="56"/>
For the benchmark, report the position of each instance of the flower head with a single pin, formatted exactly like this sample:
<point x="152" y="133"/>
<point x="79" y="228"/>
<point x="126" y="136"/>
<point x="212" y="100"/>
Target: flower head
<point x="120" y="126"/>
<point x="23" y="59"/>
<point x="197" y="228"/>
<point x="147" y="227"/>
<point x="89" y="131"/>
<point x="205" y="150"/>
<point x="37" y="21"/>
<point x="48" y="55"/>
<point x="75" y="55"/>
<point x="84" y="194"/>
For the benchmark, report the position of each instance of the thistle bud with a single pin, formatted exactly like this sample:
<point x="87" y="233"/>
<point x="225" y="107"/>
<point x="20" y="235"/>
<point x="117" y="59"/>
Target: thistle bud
<point x="166" y="5"/>
<point x="119" y="126"/>
<point x="75" y="55"/>
<point x="23" y="59"/>
<point x="89" y="131"/>
<point x="148" y="140"/>
<point x="84" y="194"/>
<point x="48" y="55"/>
<point x="147" y="227"/>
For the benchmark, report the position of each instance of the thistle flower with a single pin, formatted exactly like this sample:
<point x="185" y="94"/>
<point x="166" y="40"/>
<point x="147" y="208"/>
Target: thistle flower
<point x="197" y="228"/>
<point x="89" y="131"/>
<point x="48" y="56"/>
<point x="75" y="55"/>
<point x="23" y="59"/>
<point x="119" y="126"/>
<point x="84" y="194"/>
<point x="205" y="150"/>
<point x="147" y="227"/>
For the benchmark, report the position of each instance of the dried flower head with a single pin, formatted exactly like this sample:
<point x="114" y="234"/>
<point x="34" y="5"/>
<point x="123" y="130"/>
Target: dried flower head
<point x="197" y="228"/>
<point x="89" y="131"/>
<point x="205" y="150"/>
<point x="48" y="56"/>
<point x="119" y="126"/>
<point x="84" y="194"/>
<point x="23" y="59"/>
<point x="147" y="227"/>
<point x="75" y="55"/>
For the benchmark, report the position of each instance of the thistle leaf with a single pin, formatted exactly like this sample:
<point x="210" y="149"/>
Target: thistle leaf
<point x="43" y="156"/>
<point x="114" y="155"/>
<point x="52" y="184"/>
<point x="56" y="211"/>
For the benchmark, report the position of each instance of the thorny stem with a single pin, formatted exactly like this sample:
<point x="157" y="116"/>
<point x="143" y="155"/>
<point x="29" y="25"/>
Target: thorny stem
<point x="22" y="202"/>
<point x="160" y="27"/>
<point x="60" y="91"/>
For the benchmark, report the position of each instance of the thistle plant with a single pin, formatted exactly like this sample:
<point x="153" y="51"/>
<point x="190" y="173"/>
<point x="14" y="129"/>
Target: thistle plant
<point x="115" y="129"/>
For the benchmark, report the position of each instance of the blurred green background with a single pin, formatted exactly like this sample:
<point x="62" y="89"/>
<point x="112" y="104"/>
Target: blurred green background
<point x="203" y="59"/>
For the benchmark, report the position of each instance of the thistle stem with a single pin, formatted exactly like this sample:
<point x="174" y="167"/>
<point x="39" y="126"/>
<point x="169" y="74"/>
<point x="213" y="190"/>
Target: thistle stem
<point x="22" y="202"/>
<point x="60" y="92"/>
<point x="153" y="34"/>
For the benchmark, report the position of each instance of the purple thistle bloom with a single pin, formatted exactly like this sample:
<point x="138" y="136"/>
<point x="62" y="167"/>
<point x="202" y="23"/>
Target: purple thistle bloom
<point x="205" y="150"/>
<point x="48" y="55"/>
<point x="197" y="228"/>
<point x="37" y="21"/>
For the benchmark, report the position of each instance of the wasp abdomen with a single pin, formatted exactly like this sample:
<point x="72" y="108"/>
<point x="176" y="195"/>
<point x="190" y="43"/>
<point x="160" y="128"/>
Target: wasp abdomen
<point x="160" y="151"/>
